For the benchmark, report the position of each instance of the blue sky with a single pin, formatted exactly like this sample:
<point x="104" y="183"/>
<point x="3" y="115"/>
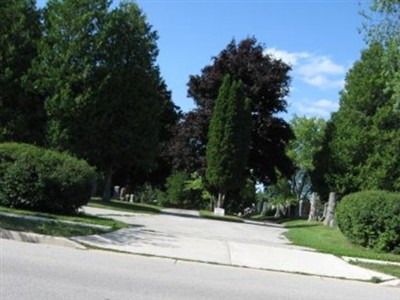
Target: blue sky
<point x="319" y="39"/>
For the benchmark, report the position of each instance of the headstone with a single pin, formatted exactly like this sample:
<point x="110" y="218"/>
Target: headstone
<point x="314" y="203"/>
<point x="131" y="198"/>
<point x="329" y="220"/>
<point x="116" y="192"/>
<point x="219" y="212"/>
<point x="122" y="193"/>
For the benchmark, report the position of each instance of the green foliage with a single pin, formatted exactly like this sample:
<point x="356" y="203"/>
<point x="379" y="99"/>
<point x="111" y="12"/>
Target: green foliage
<point x="176" y="195"/>
<point x="330" y="240"/>
<point x="44" y="180"/>
<point x="362" y="139"/>
<point x="229" y="137"/>
<point x="281" y="193"/>
<point x="382" y="21"/>
<point x="309" y="134"/>
<point x="266" y="83"/>
<point x="21" y="106"/>
<point x="371" y="219"/>
<point x="197" y="189"/>
<point x="98" y="67"/>
<point x="184" y="191"/>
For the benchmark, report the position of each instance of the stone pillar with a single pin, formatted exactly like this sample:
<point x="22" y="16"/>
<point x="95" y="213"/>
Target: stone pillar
<point x="314" y="202"/>
<point x="329" y="220"/>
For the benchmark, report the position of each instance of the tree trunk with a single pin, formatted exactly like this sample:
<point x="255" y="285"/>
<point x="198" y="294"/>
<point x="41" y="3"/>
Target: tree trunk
<point x="300" y="212"/>
<point x="278" y="211"/>
<point x="221" y="199"/>
<point x="313" y="207"/>
<point x="107" y="185"/>
<point x="331" y="209"/>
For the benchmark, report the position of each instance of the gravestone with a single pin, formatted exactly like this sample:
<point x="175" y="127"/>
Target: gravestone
<point x="219" y="212"/>
<point x="122" y="193"/>
<point x="115" y="192"/>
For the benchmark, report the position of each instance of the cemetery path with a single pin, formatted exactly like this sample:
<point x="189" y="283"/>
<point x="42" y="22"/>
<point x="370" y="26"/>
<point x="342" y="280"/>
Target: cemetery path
<point x="185" y="236"/>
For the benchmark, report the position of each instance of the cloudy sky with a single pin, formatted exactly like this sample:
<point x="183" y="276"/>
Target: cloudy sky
<point x="319" y="38"/>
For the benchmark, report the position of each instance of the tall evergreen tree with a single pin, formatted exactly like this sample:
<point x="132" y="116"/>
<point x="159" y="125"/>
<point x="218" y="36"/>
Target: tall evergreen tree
<point x="228" y="140"/>
<point x="22" y="115"/>
<point x="103" y="84"/>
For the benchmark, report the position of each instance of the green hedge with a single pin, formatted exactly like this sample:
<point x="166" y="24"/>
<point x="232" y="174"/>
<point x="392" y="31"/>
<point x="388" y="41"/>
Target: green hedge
<point x="44" y="180"/>
<point x="371" y="219"/>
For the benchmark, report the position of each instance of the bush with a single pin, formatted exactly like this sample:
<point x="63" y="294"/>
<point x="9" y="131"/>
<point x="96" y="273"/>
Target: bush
<point x="44" y="180"/>
<point x="371" y="219"/>
<point x="175" y="194"/>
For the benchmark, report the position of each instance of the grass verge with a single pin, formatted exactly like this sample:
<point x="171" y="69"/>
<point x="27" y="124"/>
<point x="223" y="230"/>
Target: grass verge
<point x="125" y="206"/>
<point x="209" y="215"/>
<point x="330" y="240"/>
<point x="387" y="269"/>
<point x="54" y="226"/>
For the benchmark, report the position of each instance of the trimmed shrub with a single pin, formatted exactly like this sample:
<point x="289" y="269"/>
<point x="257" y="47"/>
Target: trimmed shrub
<point x="371" y="219"/>
<point x="44" y="180"/>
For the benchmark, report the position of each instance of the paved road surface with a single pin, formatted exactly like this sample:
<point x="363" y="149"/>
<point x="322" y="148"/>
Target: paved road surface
<point x="259" y="246"/>
<point x="42" y="272"/>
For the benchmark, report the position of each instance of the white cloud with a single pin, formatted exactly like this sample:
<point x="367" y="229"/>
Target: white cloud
<point x="315" y="70"/>
<point x="319" y="108"/>
<point x="290" y="58"/>
<point x="324" y="81"/>
<point x="323" y="103"/>
<point x="320" y="65"/>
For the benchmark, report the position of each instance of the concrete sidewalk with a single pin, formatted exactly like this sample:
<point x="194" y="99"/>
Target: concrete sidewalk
<point x="237" y="244"/>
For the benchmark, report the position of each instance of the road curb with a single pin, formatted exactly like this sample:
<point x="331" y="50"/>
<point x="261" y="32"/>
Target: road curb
<point x="29" y="237"/>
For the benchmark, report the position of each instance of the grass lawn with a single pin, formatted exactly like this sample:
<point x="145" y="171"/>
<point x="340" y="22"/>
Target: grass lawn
<point x="209" y="215"/>
<point x="125" y="206"/>
<point x="387" y="269"/>
<point x="55" y="227"/>
<point x="329" y="240"/>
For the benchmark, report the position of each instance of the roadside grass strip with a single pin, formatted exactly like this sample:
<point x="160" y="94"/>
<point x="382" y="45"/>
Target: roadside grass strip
<point x="209" y="215"/>
<point x="389" y="269"/>
<point x="125" y="206"/>
<point x="56" y="225"/>
<point x="330" y="240"/>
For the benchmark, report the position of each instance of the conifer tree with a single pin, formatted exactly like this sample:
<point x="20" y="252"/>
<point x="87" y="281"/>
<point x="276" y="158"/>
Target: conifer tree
<point x="228" y="140"/>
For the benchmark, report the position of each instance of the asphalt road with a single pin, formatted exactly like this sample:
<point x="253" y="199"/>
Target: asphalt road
<point x="33" y="271"/>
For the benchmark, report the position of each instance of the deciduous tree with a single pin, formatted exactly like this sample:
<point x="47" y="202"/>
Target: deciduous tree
<point x="22" y="116"/>
<point x="266" y="83"/>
